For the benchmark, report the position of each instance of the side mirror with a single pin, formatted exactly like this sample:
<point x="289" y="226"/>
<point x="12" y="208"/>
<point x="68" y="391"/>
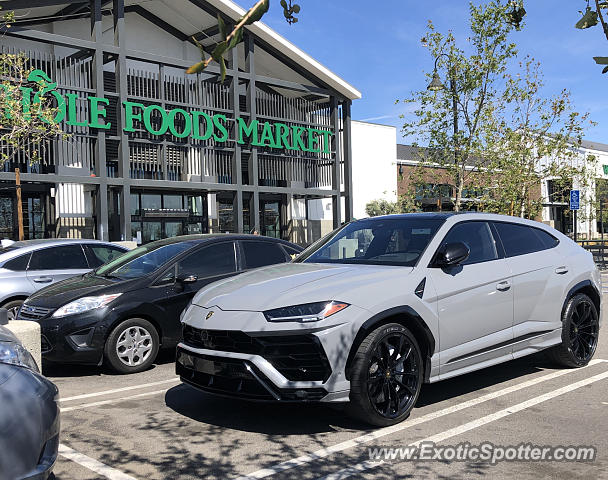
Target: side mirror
<point x="452" y="254"/>
<point x="186" y="278"/>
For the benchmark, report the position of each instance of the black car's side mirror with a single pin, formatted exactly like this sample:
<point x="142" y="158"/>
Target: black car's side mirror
<point x="451" y="254"/>
<point x="186" y="278"/>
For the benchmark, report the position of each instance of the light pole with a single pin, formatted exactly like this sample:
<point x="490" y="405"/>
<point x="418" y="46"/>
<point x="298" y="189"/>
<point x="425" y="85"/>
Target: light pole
<point x="435" y="86"/>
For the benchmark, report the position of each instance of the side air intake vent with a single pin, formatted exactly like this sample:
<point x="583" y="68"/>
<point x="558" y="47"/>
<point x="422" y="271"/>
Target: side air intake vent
<point x="420" y="288"/>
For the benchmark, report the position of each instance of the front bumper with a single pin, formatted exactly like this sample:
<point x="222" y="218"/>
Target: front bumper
<point x="233" y="375"/>
<point x="77" y="339"/>
<point x="261" y="360"/>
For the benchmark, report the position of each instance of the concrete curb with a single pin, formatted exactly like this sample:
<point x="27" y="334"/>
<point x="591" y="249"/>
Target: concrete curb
<point x="29" y="335"/>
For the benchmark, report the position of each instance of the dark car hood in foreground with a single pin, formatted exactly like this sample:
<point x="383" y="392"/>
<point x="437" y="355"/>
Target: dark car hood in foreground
<point x="89" y="284"/>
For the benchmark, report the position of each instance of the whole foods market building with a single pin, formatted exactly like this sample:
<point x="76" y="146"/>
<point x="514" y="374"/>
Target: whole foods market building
<point x="153" y="152"/>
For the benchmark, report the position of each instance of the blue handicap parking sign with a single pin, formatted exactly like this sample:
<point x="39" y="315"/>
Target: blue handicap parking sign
<point x="575" y="199"/>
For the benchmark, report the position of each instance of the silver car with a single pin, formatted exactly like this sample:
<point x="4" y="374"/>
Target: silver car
<point x="30" y="265"/>
<point x="385" y="304"/>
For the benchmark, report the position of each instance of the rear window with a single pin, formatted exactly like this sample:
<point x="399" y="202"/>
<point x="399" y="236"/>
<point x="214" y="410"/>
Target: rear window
<point x="100" y="254"/>
<point x="18" y="264"/>
<point x="523" y="239"/>
<point x="260" y="254"/>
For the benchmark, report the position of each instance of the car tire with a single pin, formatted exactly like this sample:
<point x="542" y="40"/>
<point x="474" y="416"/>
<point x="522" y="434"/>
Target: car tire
<point x="385" y="383"/>
<point x="13" y="307"/>
<point x="132" y="346"/>
<point x="580" y="329"/>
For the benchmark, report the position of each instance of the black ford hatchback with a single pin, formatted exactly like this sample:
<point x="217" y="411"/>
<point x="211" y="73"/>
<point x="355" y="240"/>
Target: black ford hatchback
<point x="125" y="310"/>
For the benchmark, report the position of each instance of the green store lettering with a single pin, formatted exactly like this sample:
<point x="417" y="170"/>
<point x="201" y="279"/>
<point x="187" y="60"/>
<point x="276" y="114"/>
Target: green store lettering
<point x="178" y="122"/>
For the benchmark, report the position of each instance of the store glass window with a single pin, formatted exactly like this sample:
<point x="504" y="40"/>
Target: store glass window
<point x="225" y="214"/>
<point x="195" y="205"/>
<point x="173" y="202"/>
<point x="135" y="204"/>
<point x="194" y="228"/>
<point x="173" y="229"/>
<point x="151" y="231"/>
<point x="150" y="201"/>
<point x="135" y="228"/>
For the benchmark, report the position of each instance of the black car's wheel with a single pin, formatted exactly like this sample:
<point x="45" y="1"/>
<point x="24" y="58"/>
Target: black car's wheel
<point x="580" y="329"/>
<point x="132" y="346"/>
<point x="13" y="308"/>
<point x="386" y="376"/>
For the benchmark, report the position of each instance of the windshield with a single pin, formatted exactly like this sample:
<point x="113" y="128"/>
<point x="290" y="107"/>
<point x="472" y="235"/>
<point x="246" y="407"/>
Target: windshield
<point x="390" y="241"/>
<point x="142" y="261"/>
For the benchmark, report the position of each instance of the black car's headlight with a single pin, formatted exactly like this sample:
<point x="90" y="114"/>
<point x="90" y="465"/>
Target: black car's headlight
<point x="85" y="304"/>
<point x="13" y="353"/>
<point x="308" y="312"/>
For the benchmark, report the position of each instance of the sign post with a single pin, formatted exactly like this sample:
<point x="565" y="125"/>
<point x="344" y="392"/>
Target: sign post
<point x="575" y="204"/>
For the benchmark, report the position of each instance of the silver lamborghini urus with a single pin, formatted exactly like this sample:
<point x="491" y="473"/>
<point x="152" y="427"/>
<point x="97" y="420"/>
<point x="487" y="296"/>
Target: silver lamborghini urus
<point x="382" y="305"/>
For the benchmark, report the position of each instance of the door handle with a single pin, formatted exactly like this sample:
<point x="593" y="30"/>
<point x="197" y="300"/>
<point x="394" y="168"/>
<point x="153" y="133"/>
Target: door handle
<point x="43" y="280"/>
<point x="561" y="270"/>
<point x="503" y="286"/>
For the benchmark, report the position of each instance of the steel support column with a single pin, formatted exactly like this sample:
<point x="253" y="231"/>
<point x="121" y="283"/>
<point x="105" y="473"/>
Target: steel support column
<point x="237" y="165"/>
<point x="124" y="165"/>
<point x="254" y="180"/>
<point x="101" y="207"/>
<point x="348" y="160"/>
<point x="335" y="172"/>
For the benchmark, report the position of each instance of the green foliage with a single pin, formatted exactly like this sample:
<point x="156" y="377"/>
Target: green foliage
<point x="454" y="122"/>
<point x="232" y="39"/>
<point x="289" y="10"/>
<point x="536" y="139"/>
<point x="376" y="208"/>
<point x="404" y="204"/>
<point x="27" y="108"/>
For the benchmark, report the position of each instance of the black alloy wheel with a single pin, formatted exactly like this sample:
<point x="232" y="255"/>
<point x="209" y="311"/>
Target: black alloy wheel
<point x="386" y="376"/>
<point x="584" y="329"/>
<point x="580" y="332"/>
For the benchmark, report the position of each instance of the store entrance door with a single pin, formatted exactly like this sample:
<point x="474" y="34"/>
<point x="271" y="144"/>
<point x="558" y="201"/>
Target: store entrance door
<point x="270" y="218"/>
<point x="34" y="205"/>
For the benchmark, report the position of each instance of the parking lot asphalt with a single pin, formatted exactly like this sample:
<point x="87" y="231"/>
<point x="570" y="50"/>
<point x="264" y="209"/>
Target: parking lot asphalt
<point x="150" y="426"/>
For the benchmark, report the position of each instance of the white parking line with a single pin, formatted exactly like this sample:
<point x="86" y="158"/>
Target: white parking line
<point x="118" y="390"/>
<point x="92" y="464"/>
<point x="350" y="471"/>
<point x="113" y="400"/>
<point x="324" y="452"/>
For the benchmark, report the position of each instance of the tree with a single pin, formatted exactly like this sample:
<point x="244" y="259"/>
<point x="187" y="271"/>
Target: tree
<point x="30" y="109"/>
<point x="376" y="208"/>
<point x="591" y="18"/>
<point x="454" y="122"/>
<point x="537" y="139"/>
<point x="233" y="38"/>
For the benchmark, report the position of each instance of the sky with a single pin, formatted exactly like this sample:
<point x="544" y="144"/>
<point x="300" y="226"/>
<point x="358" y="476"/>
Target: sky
<point x="375" y="46"/>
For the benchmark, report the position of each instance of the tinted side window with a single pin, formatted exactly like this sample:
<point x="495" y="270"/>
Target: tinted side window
<point x="98" y="255"/>
<point x="521" y="239"/>
<point x="18" y="264"/>
<point x="209" y="261"/>
<point x="549" y="241"/>
<point x="478" y="237"/>
<point x="260" y="254"/>
<point x="68" y="257"/>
